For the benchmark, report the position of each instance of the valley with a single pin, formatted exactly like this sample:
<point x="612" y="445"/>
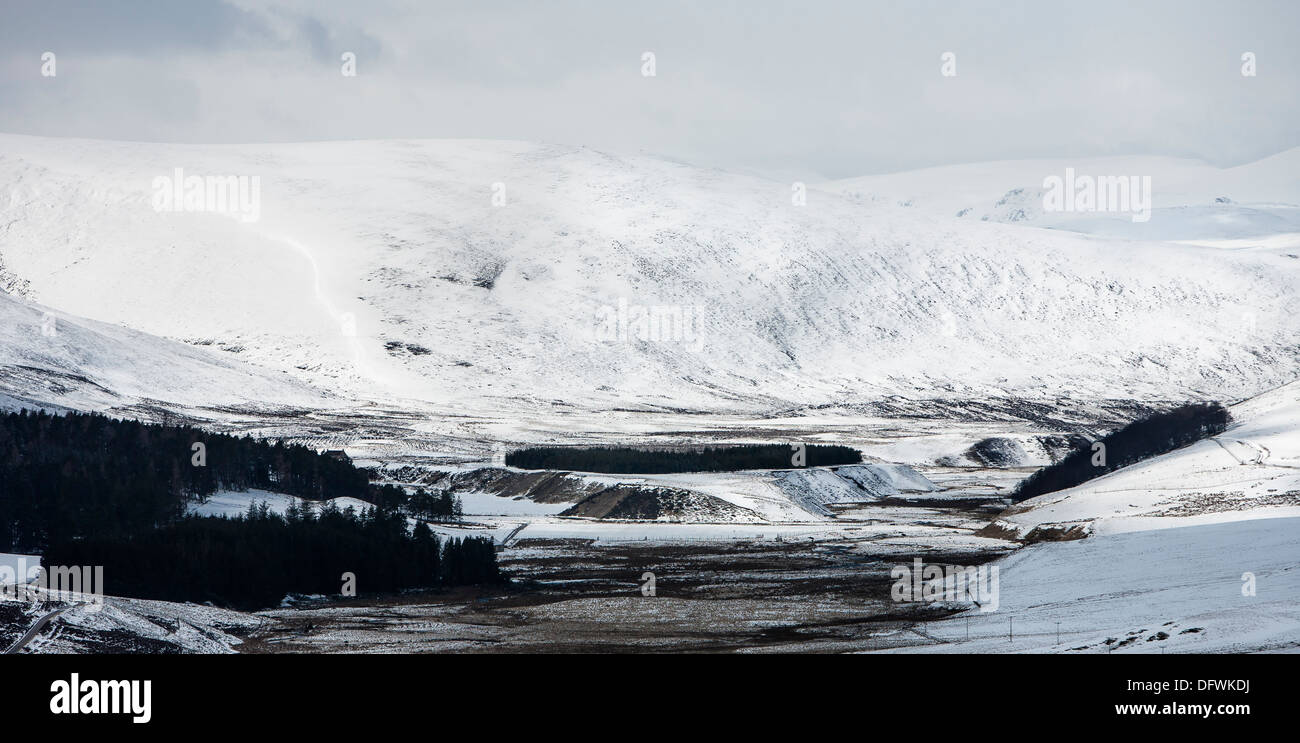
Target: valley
<point x="935" y="321"/>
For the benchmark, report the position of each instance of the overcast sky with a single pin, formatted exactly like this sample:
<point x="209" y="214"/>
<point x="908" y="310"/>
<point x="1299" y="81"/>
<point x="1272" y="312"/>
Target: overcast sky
<point x="826" y="88"/>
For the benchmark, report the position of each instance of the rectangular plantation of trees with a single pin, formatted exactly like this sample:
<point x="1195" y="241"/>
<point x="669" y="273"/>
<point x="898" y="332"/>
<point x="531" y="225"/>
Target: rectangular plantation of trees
<point x="1151" y="436"/>
<point x="631" y="461"/>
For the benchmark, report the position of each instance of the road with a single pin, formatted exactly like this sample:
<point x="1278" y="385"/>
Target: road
<point x="36" y="629"/>
<point x="515" y="532"/>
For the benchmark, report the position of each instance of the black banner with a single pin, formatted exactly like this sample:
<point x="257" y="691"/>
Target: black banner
<point x="951" y="693"/>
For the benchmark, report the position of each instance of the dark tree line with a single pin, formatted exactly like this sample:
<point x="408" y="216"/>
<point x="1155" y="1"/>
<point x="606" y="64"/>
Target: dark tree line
<point x="86" y="489"/>
<point x="438" y="506"/>
<point x="88" y="475"/>
<point x="1151" y="436"/>
<point x="253" y="561"/>
<point x="624" y="460"/>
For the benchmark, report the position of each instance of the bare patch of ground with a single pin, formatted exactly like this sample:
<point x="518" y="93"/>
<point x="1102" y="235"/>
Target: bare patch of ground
<point x="576" y="596"/>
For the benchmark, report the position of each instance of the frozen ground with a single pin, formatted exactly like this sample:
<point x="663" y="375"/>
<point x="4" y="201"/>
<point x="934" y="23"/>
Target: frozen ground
<point x="1177" y="590"/>
<point x="814" y="587"/>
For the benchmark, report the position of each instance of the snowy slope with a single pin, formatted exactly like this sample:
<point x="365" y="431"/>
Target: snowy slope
<point x="881" y="480"/>
<point x="1251" y="471"/>
<point x="1192" y="551"/>
<point x="112" y="624"/>
<point x="1257" y="204"/>
<point x="383" y="270"/>
<point x="767" y="495"/>
<point x="58" y="361"/>
<point x="803" y="494"/>
<point x="1168" y="590"/>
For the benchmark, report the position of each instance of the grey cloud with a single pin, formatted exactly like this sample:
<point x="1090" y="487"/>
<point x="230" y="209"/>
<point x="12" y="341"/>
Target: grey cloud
<point x="824" y="88"/>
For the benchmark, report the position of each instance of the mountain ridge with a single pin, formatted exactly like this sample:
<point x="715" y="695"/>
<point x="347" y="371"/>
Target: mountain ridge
<point x="383" y="268"/>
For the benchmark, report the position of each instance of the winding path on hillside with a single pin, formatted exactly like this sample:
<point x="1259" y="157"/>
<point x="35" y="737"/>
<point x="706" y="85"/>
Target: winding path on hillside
<point x="36" y="630"/>
<point x="1262" y="454"/>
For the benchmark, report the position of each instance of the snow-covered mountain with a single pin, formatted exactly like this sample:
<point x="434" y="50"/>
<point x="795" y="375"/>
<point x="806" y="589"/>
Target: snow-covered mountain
<point x="1252" y="205"/>
<point x="480" y="276"/>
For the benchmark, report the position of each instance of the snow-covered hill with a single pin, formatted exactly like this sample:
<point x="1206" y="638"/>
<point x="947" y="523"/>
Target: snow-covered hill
<point x="751" y="496"/>
<point x="1251" y="471"/>
<point x="1252" y="205"/>
<point x="1217" y="588"/>
<point x="53" y="360"/>
<point x="387" y="270"/>
<point x="1192" y="551"/>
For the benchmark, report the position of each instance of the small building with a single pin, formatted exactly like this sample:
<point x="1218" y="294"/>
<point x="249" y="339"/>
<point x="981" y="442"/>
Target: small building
<point x="338" y="454"/>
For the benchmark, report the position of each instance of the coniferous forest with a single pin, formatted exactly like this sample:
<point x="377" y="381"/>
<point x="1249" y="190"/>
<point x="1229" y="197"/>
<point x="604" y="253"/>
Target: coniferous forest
<point x="625" y="460"/>
<point x="253" y="561"/>
<point x="1151" y="436"/>
<point x="85" y="489"/>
